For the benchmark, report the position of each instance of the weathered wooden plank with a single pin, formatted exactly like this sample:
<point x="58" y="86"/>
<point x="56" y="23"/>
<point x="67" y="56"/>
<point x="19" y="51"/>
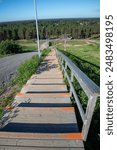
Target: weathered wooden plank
<point x="47" y="76"/>
<point x="44" y="95"/>
<point x="36" y="148"/>
<point x="45" y="81"/>
<point x="42" y="143"/>
<point x="44" y="88"/>
<point x="41" y="136"/>
<point x="39" y="101"/>
<point x="51" y="98"/>
<point x="44" y="128"/>
<point x="50" y="72"/>
<point x="53" y="115"/>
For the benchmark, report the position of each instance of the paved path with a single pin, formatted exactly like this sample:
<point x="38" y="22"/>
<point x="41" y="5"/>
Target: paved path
<point x="44" y="117"/>
<point x="9" y="65"/>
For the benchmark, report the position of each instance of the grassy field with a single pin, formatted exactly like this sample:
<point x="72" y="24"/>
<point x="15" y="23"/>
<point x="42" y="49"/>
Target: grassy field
<point x="27" y="45"/>
<point x="85" y="54"/>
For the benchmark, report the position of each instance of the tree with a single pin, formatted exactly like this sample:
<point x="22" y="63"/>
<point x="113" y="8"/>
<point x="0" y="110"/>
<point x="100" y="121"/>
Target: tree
<point x="9" y="46"/>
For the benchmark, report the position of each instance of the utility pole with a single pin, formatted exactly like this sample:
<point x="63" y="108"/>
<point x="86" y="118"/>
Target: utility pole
<point x="35" y="8"/>
<point x="65" y="42"/>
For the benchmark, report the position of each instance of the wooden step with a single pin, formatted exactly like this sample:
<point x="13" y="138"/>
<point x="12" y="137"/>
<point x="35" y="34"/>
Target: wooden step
<point x="52" y="98"/>
<point x="44" y="89"/>
<point x="46" y="115"/>
<point x="36" y="148"/>
<point x="42" y="143"/>
<point x="45" y="95"/>
<point x="47" y="76"/>
<point x="40" y="136"/>
<point x="50" y="72"/>
<point x="45" y="81"/>
<point x="42" y="120"/>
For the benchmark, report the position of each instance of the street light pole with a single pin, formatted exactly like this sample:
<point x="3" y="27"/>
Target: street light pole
<point x="65" y="42"/>
<point x="35" y="8"/>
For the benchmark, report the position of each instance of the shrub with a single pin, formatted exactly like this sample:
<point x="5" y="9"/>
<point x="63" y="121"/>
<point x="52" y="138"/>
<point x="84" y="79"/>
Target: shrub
<point x="50" y="43"/>
<point x="9" y="47"/>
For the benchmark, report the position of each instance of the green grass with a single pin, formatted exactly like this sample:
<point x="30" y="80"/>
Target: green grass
<point x="88" y="53"/>
<point x="76" y="42"/>
<point x="26" y="42"/>
<point x="86" y="57"/>
<point x="29" y="67"/>
<point x="29" y="48"/>
<point x="27" y="45"/>
<point x="24" y="72"/>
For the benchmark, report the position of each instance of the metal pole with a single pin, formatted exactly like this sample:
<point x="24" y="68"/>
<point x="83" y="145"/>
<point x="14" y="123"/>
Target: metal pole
<point x="65" y="42"/>
<point x="35" y="8"/>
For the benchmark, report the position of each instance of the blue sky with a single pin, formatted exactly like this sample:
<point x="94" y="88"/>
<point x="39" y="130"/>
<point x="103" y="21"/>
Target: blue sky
<point x="12" y="10"/>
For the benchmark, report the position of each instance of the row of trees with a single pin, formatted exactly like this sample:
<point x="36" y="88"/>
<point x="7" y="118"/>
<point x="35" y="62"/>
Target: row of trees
<point x="49" y="29"/>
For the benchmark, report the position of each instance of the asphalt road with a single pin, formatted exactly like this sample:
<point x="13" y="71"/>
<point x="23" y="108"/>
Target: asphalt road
<point x="9" y="65"/>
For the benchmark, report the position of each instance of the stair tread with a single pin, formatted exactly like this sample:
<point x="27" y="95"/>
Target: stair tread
<point x="45" y="81"/>
<point x="44" y="88"/>
<point x="42" y="143"/>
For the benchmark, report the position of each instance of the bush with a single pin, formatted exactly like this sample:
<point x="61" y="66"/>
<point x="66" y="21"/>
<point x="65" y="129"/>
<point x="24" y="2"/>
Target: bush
<point x="50" y="43"/>
<point x="9" y="47"/>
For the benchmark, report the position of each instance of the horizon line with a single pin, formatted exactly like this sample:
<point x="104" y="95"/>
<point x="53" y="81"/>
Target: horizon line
<point x="49" y="19"/>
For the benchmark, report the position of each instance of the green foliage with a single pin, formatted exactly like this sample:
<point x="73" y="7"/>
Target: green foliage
<point x="50" y="43"/>
<point x="29" y="67"/>
<point x="9" y="47"/>
<point x="51" y="29"/>
<point x="9" y="98"/>
<point x="1" y="111"/>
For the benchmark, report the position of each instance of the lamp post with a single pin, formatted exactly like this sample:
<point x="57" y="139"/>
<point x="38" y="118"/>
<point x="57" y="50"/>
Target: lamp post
<point x="65" y="38"/>
<point x="35" y="8"/>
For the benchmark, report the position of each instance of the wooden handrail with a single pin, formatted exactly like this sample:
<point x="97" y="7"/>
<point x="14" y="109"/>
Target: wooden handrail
<point x="89" y="87"/>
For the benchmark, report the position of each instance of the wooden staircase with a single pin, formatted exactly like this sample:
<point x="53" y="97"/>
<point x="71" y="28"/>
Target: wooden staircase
<point x="43" y="117"/>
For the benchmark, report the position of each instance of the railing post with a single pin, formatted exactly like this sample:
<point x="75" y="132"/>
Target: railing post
<point x="71" y="79"/>
<point x="62" y="65"/>
<point x="65" y="65"/>
<point x="72" y="76"/>
<point x="65" y="69"/>
<point x="88" y="116"/>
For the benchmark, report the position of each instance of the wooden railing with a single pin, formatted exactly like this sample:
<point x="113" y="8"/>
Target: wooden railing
<point x="89" y="87"/>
